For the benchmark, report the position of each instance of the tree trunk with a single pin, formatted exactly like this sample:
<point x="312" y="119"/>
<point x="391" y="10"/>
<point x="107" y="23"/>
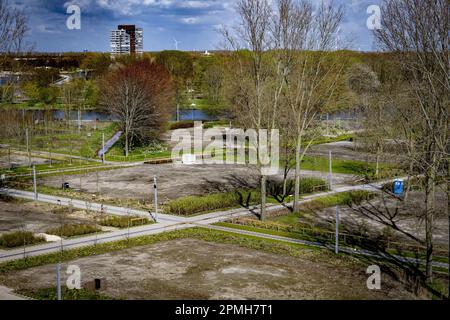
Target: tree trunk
<point x="377" y="165"/>
<point x="286" y="173"/>
<point x="448" y="215"/>
<point x="285" y="186"/>
<point x="408" y="183"/>
<point x="297" y="175"/>
<point x="430" y="182"/>
<point x="263" y="197"/>
<point x="126" y="143"/>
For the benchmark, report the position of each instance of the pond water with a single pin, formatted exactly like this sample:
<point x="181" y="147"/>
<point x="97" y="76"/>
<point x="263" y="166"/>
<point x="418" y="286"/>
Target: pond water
<point x="185" y="115"/>
<point x="8" y="78"/>
<point x="195" y="115"/>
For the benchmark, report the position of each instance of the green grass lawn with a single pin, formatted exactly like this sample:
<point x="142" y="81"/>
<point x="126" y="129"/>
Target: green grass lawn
<point x="66" y="294"/>
<point x="57" y="165"/>
<point x="116" y="153"/>
<point x="67" y="141"/>
<point x="348" y="167"/>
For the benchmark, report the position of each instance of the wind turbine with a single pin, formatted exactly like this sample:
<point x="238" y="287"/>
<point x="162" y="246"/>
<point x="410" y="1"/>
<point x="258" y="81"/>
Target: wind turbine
<point x="176" y="43"/>
<point x="338" y="38"/>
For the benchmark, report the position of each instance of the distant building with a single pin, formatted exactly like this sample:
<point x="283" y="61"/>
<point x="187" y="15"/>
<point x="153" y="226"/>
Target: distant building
<point x="127" y="39"/>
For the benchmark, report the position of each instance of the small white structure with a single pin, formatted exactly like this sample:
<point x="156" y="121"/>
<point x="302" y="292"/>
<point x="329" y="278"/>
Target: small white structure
<point x="189" y="159"/>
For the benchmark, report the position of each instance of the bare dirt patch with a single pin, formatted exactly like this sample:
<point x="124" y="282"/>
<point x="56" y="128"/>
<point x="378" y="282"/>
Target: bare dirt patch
<point x="374" y="217"/>
<point x="174" y="181"/>
<point x="346" y="150"/>
<point x="194" y="269"/>
<point x="19" y="161"/>
<point x="16" y="215"/>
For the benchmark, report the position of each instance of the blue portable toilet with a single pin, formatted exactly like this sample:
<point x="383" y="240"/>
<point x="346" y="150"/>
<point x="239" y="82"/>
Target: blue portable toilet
<point x="399" y="186"/>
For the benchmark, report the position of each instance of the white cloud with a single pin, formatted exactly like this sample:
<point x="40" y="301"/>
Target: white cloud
<point x="190" y="20"/>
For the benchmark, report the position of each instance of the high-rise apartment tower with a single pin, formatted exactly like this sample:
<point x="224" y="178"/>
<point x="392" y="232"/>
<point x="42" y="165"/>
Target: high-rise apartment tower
<point x="127" y="39"/>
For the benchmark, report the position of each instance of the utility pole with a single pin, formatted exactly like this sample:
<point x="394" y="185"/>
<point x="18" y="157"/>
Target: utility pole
<point x="35" y="183"/>
<point x="103" y="148"/>
<point x="28" y="146"/>
<point x="330" y="174"/>
<point x="336" y="250"/>
<point x="79" y="120"/>
<point x="58" y="281"/>
<point x="155" y="194"/>
<point x="328" y="124"/>
<point x="98" y="187"/>
<point x="9" y="157"/>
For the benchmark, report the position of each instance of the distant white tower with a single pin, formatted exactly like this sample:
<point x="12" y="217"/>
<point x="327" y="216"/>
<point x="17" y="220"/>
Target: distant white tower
<point x="176" y="43"/>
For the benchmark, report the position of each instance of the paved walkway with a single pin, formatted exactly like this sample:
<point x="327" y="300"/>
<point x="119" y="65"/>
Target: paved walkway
<point x="7" y="294"/>
<point x="164" y="223"/>
<point x="324" y="246"/>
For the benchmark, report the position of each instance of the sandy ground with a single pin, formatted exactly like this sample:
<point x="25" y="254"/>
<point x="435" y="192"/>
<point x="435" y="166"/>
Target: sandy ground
<point x="19" y="161"/>
<point x="345" y="150"/>
<point x="374" y="216"/>
<point x="7" y="294"/>
<point x="33" y="216"/>
<point x="174" y="181"/>
<point x="193" y="269"/>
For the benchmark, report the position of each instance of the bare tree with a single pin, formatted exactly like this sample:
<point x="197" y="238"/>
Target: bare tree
<point x="140" y="96"/>
<point x="304" y="38"/>
<point x="214" y="78"/>
<point x="365" y="83"/>
<point x="250" y="74"/>
<point x="417" y="32"/>
<point x="13" y="29"/>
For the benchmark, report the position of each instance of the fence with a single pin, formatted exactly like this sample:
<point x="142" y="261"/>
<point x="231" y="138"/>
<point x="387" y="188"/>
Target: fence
<point x="328" y="237"/>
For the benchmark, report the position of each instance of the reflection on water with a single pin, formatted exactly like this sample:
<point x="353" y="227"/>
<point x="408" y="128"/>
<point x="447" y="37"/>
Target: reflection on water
<point x="4" y="79"/>
<point x="195" y="115"/>
<point x="85" y="115"/>
<point x="185" y="115"/>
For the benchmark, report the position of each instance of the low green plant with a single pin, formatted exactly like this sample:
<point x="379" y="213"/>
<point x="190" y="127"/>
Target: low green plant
<point x="124" y="222"/>
<point x="307" y="185"/>
<point x="344" y="198"/>
<point x="182" y="125"/>
<point x="72" y="230"/>
<point x="66" y="294"/>
<point x="19" y="238"/>
<point x="194" y="204"/>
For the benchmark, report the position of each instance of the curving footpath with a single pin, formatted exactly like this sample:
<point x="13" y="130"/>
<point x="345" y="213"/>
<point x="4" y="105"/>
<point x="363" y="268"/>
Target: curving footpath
<point x="167" y="223"/>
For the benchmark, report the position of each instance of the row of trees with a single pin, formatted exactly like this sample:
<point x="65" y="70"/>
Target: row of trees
<point x="417" y="100"/>
<point x="283" y="72"/>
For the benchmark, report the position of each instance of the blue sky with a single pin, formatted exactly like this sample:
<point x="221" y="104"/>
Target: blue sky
<point x="192" y="22"/>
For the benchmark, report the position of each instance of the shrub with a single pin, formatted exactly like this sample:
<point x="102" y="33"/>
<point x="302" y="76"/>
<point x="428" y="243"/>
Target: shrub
<point x="72" y="230"/>
<point x="66" y="294"/>
<point x="344" y="198"/>
<point x="6" y="198"/>
<point x="192" y="204"/>
<point x="307" y="185"/>
<point x="212" y="124"/>
<point x="19" y="238"/>
<point x="124" y="222"/>
<point x="182" y="125"/>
